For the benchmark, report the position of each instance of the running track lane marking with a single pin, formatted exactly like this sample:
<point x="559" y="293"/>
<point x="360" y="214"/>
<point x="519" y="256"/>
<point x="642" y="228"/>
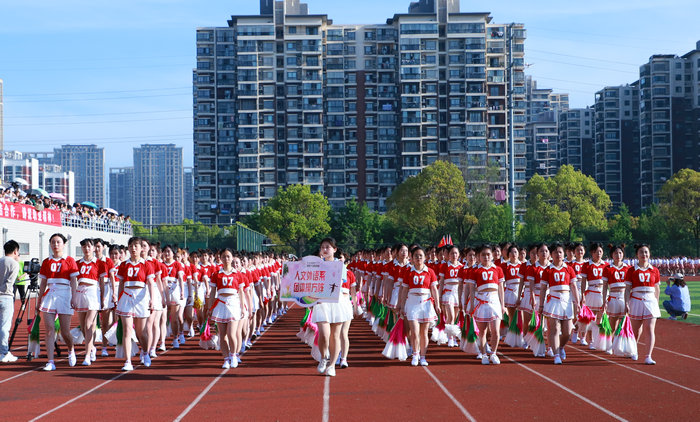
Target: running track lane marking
<point x="641" y="372"/>
<point x="35" y="369"/>
<point x="671" y="351"/>
<point x="97" y="387"/>
<point x="200" y="396"/>
<point x="449" y="395"/>
<point x="215" y="380"/>
<point x="568" y="390"/>
<point x="326" y="398"/>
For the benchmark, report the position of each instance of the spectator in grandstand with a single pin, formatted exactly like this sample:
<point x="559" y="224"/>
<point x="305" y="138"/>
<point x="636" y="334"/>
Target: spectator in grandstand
<point x="679" y="305"/>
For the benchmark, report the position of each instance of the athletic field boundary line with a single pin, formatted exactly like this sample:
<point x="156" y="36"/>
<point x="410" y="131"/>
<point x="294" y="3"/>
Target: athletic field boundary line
<point x="36" y="369"/>
<point x="449" y="395"/>
<point x="326" y="399"/>
<point x="641" y="372"/>
<point x="215" y="380"/>
<point x="568" y="390"/>
<point x="671" y="351"/>
<point x="95" y="388"/>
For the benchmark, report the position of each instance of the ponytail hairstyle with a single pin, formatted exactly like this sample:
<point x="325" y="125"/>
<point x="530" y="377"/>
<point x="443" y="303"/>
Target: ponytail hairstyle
<point x="612" y="248"/>
<point x="59" y="235"/>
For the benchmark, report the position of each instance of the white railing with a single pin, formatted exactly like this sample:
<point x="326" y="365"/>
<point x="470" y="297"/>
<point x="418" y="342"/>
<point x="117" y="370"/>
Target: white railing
<point x="69" y="219"/>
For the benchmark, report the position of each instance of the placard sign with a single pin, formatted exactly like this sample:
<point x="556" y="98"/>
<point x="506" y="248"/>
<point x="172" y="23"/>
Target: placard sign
<point x="311" y="280"/>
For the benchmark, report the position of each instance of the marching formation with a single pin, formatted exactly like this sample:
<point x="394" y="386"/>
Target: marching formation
<point x="145" y="294"/>
<point x="540" y="298"/>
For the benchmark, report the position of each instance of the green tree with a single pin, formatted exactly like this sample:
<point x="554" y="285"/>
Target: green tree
<point x="558" y="206"/>
<point x="295" y="215"/>
<point x="495" y="224"/>
<point x="621" y="226"/>
<point x="431" y="204"/>
<point x="355" y="226"/>
<point x="680" y="204"/>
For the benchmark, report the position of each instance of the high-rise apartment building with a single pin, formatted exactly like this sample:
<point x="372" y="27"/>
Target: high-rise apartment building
<point x="669" y="112"/>
<point x="617" y="158"/>
<point x="288" y="97"/>
<point x="158" y="184"/>
<point x="188" y="193"/>
<point x="56" y="179"/>
<point x="87" y="162"/>
<point x="121" y="190"/>
<point x="577" y="139"/>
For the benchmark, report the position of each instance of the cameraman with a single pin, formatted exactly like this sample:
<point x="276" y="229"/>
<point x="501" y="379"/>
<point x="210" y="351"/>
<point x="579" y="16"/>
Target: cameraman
<point x="679" y="305"/>
<point x="9" y="267"/>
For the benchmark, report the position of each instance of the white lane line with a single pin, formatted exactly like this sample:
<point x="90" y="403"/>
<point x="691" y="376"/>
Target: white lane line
<point x="641" y="372"/>
<point x="97" y="387"/>
<point x="326" y="398"/>
<point x="671" y="351"/>
<point x="449" y="395"/>
<point x="568" y="390"/>
<point x="215" y="380"/>
<point x="35" y="369"/>
<point x="200" y="396"/>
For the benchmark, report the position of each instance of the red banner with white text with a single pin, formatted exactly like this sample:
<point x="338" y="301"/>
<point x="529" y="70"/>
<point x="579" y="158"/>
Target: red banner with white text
<point x="25" y="212"/>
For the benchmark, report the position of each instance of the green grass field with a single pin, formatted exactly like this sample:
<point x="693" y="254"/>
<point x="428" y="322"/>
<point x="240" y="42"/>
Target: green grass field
<point x="694" y="287"/>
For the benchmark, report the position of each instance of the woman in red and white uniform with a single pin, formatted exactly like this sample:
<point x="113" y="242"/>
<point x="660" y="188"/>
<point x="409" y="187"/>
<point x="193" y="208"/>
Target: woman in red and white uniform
<point x="577" y="263"/>
<point x="136" y="287"/>
<point x="561" y="303"/>
<point x="487" y="294"/>
<point x="157" y="321"/>
<point x="246" y="304"/>
<point x="533" y="278"/>
<point x="614" y="287"/>
<point x="348" y="290"/>
<point x="642" y="298"/>
<point x="512" y="271"/>
<point x="108" y="277"/>
<point x="450" y="292"/>
<point x="58" y="284"/>
<point x="418" y="302"/>
<point x="592" y="286"/>
<point x="87" y="296"/>
<point x="225" y="310"/>
<point x="174" y="276"/>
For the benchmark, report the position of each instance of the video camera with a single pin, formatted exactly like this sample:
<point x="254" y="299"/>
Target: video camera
<point x="32" y="269"/>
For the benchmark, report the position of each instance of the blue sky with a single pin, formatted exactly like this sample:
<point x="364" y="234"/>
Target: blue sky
<point x="118" y="74"/>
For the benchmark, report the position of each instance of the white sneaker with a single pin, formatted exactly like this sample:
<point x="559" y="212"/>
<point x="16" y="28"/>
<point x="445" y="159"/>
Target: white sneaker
<point x="485" y="359"/>
<point x="182" y="338"/>
<point x="71" y="358"/>
<point x="127" y="367"/>
<point x="479" y="356"/>
<point x="238" y="358"/>
<point x="591" y="346"/>
<point x="105" y="352"/>
<point x="649" y="361"/>
<point x="176" y="343"/>
<point x="146" y="360"/>
<point x="153" y="353"/>
<point x="87" y="362"/>
<point x="234" y="361"/>
<point x="584" y="342"/>
<point x="550" y="353"/>
<point x="557" y="360"/>
<point x="162" y="348"/>
<point x="415" y="360"/>
<point x="609" y="351"/>
<point x="8" y="358"/>
<point x="50" y="366"/>
<point x="423" y="362"/>
<point x="321" y="368"/>
<point x="93" y="354"/>
<point x="494" y="359"/>
<point x="634" y="357"/>
<point x="257" y="332"/>
<point x="343" y="363"/>
<point x="330" y="371"/>
<point x="562" y="354"/>
<point x="488" y="348"/>
<point x="248" y="344"/>
<point x="451" y="342"/>
<point x="227" y="364"/>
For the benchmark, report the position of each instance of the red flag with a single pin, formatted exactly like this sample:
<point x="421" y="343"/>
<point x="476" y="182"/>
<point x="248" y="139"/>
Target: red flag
<point x="442" y="242"/>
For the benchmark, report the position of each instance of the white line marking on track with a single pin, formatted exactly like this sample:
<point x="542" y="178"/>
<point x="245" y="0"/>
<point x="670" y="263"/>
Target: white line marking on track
<point x="671" y="351"/>
<point x="568" y="390"/>
<point x="449" y="395"/>
<point x="35" y="369"/>
<point x="326" y="399"/>
<point x="200" y="396"/>
<point x="641" y="372"/>
<point x="211" y="384"/>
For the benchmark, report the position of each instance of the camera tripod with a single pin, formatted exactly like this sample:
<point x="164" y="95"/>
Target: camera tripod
<point x="27" y="304"/>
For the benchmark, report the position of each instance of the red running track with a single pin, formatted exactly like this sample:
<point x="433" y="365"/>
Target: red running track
<point x="278" y="381"/>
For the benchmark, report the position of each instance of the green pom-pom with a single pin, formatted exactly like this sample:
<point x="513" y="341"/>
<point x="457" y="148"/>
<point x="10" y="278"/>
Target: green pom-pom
<point x="391" y="322"/>
<point x="513" y="326"/>
<point x="120" y="332"/>
<point x="539" y="334"/>
<point x="604" y="325"/>
<point x="471" y="335"/>
<point x="619" y="326"/>
<point x="57" y="325"/>
<point x="36" y="329"/>
<point x="505" y="319"/>
<point x="532" y="326"/>
<point x="97" y="321"/>
<point x="304" y="320"/>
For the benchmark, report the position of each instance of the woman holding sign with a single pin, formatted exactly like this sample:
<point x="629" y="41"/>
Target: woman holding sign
<point x="330" y="317"/>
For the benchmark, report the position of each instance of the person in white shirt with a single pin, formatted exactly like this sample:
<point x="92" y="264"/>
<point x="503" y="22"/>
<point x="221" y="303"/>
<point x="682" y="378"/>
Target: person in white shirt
<point x="9" y="268"/>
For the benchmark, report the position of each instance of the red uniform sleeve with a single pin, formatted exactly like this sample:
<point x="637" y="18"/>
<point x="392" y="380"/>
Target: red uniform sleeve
<point x="121" y="271"/>
<point x="433" y="278"/>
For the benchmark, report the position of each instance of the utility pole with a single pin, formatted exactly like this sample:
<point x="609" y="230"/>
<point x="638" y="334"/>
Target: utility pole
<point x="511" y="132"/>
